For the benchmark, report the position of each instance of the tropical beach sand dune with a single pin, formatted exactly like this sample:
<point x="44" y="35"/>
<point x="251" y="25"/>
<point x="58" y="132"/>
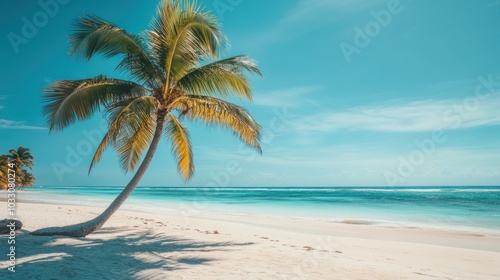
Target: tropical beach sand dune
<point x="139" y="245"/>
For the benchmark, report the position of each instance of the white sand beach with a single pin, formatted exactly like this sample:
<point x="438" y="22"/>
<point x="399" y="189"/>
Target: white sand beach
<point x="140" y="245"/>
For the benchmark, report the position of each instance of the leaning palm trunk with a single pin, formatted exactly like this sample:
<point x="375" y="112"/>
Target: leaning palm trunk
<point x="85" y="228"/>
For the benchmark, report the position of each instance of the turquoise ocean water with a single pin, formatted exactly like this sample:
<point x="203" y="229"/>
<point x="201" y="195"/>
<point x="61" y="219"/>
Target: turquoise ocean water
<point x="457" y="208"/>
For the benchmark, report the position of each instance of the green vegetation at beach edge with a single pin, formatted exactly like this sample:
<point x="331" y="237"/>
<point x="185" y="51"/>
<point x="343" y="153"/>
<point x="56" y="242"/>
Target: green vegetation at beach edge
<point x="21" y="162"/>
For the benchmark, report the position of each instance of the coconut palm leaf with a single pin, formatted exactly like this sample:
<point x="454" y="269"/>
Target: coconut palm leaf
<point x="131" y="128"/>
<point x="69" y="101"/>
<point x="21" y="157"/>
<point x="94" y="35"/>
<point x="221" y="78"/>
<point x="135" y="134"/>
<point x="215" y="111"/>
<point x="26" y="179"/>
<point x="180" y="39"/>
<point x="181" y="146"/>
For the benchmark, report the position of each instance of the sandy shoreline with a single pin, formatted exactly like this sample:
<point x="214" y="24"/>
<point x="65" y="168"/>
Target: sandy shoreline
<point x="141" y="245"/>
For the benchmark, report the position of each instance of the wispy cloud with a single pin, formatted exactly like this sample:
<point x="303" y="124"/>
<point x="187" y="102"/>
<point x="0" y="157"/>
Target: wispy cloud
<point x="307" y="15"/>
<point x="291" y="97"/>
<point x="319" y="157"/>
<point x="306" y="9"/>
<point x="361" y="165"/>
<point x="9" y="124"/>
<point x="395" y="116"/>
<point x="467" y="157"/>
<point x="2" y="97"/>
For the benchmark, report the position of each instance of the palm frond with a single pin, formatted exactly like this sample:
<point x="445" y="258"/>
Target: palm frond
<point x="118" y="114"/>
<point x="215" y="111"/>
<point x="26" y="179"/>
<point x="93" y="35"/>
<point x="132" y="128"/>
<point x="181" y="35"/>
<point x="22" y="157"/>
<point x="105" y="142"/>
<point x="223" y="78"/>
<point x="181" y="146"/>
<point x="69" y="101"/>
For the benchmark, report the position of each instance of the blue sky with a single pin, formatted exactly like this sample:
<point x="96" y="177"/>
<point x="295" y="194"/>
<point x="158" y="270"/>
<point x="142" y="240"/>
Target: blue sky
<point x="366" y="93"/>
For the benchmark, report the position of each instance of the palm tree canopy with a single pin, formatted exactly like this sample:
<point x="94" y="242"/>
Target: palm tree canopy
<point x="21" y="157"/>
<point x="26" y="179"/>
<point x="176" y="74"/>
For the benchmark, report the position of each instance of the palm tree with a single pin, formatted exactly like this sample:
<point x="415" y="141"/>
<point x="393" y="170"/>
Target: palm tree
<point x="176" y="75"/>
<point x="22" y="158"/>
<point x="26" y="179"/>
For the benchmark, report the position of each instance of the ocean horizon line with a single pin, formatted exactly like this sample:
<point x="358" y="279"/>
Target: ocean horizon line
<point x="271" y="187"/>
